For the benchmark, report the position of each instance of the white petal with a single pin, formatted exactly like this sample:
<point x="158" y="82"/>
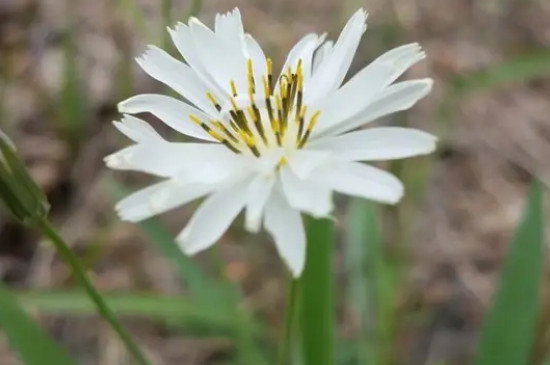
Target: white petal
<point x="173" y="112"/>
<point x="137" y="129"/>
<point x="258" y="193"/>
<point x="183" y="39"/>
<point x="376" y="144"/>
<point x="177" y="75"/>
<point x="356" y="94"/>
<point x="229" y="27"/>
<point x="306" y="195"/>
<point x="303" y="50"/>
<point x="321" y="54"/>
<point x="303" y="161"/>
<point x="358" y="179"/>
<point x="397" y="97"/>
<point x="332" y="72"/>
<point x="158" y="198"/>
<point x="225" y="61"/>
<point x="145" y="158"/>
<point x="212" y="219"/>
<point x="228" y="22"/>
<point x="188" y="162"/>
<point x="286" y="227"/>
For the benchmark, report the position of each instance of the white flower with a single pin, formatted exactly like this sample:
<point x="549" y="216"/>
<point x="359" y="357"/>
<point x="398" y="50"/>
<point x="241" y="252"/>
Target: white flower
<point x="271" y="146"/>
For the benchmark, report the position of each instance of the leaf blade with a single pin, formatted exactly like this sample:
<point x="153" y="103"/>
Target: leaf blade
<point x="317" y="294"/>
<point x="508" y="330"/>
<point x="31" y="342"/>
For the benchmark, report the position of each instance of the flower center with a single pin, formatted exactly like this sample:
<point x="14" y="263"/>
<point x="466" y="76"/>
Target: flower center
<point x="254" y="123"/>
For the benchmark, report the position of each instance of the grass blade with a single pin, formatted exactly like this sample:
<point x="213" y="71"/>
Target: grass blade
<point x="508" y="330"/>
<point x="317" y="294"/>
<point x="521" y="68"/>
<point x="363" y="233"/>
<point x="73" y="106"/>
<point x="32" y="344"/>
<point x="126" y="304"/>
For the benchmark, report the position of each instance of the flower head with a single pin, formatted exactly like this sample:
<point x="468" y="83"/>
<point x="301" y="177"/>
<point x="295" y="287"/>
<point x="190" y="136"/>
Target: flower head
<point x="18" y="191"/>
<point x="273" y="146"/>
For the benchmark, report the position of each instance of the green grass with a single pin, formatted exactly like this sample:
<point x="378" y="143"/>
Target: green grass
<point x="170" y="309"/>
<point x="508" y="329"/>
<point x="317" y="294"/>
<point x="363" y="240"/>
<point x="31" y="343"/>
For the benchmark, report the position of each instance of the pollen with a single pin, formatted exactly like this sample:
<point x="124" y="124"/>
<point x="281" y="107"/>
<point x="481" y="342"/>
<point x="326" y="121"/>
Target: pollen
<point x="256" y="119"/>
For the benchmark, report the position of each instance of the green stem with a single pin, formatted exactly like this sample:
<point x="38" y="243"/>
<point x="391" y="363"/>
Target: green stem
<point x="317" y="294"/>
<point x="290" y="315"/>
<point x="79" y="271"/>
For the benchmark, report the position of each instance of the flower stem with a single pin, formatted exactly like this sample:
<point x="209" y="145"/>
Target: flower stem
<point x="290" y="317"/>
<point x="79" y="271"/>
<point x="317" y="294"/>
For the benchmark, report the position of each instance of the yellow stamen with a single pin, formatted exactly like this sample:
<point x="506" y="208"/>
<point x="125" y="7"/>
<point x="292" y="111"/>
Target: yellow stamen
<point x="280" y="114"/>
<point x="251" y="87"/>
<point x="213" y="100"/>
<point x="250" y="143"/>
<point x="233" y="87"/>
<point x="300" y="121"/>
<point x="256" y="118"/>
<point x="225" y="131"/>
<point x="269" y="73"/>
<point x="234" y="126"/>
<point x="208" y="130"/>
<point x="245" y="128"/>
<point x="267" y="92"/>
<point x="234" y="104"/>
<point x="310" y="127"/>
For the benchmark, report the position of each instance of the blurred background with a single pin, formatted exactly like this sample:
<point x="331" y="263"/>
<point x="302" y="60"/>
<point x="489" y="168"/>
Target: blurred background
<point x="414" y="281"/>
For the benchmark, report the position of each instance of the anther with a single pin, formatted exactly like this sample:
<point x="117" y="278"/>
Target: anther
<point x="226" y="131"/>
<point x="213" y="100"/>
<point x="267" y="91"/>
<point x="300" y="120"/>
<point x="276" y="126"/>
<point x="230" y="146"/>
<point x="280" y="114"/>
<point x="251" y="87"/>
<point x="233" y="87"/>
<point x="213" y="133"/>
<point x="250" y="143"/>
<point x="310" y="127"/>
<point x="255" y="116"/>
<point x="269" y="73"/>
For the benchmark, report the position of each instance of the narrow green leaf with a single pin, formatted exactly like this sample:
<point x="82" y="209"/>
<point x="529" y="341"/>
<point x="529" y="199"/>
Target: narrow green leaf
<point x="126" y="304"/>
<point x="32" y="344"/>
<point x="531" y="65"/>
<point x="73" y="107"/>
<point x="515" y="69"/>
<point x="317" y="294"/>
<point x="363" y="236"/>
<point x="507" y="334"/>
